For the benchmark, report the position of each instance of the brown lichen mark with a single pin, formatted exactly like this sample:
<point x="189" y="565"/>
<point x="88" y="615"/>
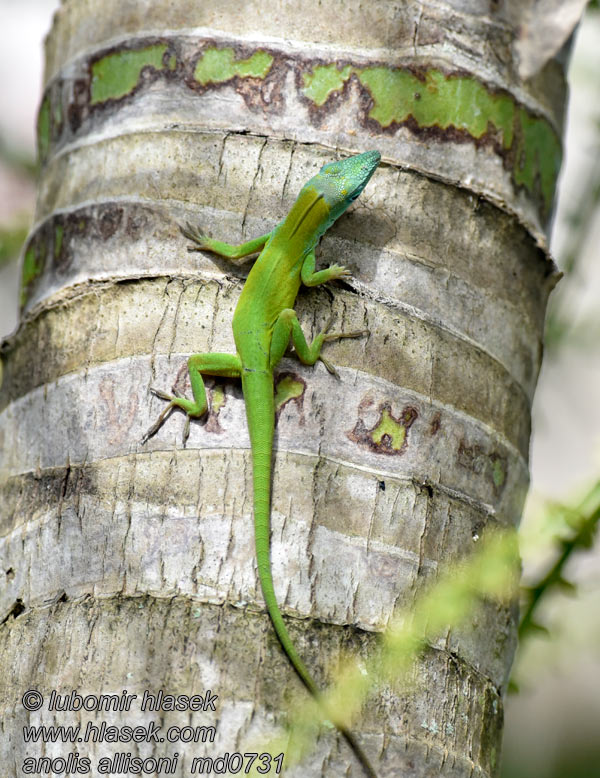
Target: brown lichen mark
<point x="289" y="387"/>
<point x="389" y="434"/>
<point x="493" y="465"/>
<point x="53" y="245"/>
<point x="257" y="75"/>
<point x="436" y="423"/>
<point x="120" y="411"/>
<point x="78" y="104"/>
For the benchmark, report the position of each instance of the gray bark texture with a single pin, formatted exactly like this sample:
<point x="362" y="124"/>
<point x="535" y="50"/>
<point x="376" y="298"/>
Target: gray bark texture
<point x="130" y="566"/>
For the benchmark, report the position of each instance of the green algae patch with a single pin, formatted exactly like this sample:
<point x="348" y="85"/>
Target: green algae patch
<point x="59" y="232"/>
<point x="288" y="388"/>
<point x="438" y="101"/>
<point x="116" y="75"/>
<point x="57" y="115"/>
<point x="498" y="472"/>
<point x="389" y="434"/>
<point x="323" y="81"/>
<point x="217" y="399"/>
<point x="218" y="65"/>
<point x="32" y="269"/>
<point x="538" y="156"/>
<point x="530" y="147"/>
<point x="389" y="428"/>
<point x="465" y="104"/>
<point x="43" y="129"/>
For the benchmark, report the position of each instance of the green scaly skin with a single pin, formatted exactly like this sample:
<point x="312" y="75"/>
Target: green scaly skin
<point x="263" y="323"/>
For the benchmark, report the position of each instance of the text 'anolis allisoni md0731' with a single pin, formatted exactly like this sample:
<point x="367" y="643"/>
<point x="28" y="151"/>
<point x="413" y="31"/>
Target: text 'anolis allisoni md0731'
<point x="263" y="323"/>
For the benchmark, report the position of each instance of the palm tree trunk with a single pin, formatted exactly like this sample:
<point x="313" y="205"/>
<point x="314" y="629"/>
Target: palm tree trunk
<point x="129" y="566"/>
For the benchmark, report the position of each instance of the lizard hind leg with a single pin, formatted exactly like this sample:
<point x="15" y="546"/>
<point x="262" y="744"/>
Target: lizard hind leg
<point x="224" y="365"/>
<point x="287" y="325"/>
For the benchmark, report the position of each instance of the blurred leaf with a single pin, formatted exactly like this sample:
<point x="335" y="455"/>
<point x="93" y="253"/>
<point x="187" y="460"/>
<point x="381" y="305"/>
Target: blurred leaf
<point x="535" y="627"/>
<point x="567" y="586"/>
<point x="585" y="334"/>
<point x="513" y="687"/>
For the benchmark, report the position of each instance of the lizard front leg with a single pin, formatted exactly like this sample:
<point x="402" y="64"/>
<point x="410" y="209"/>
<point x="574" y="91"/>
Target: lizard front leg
<point x="311" y="278"/>
<point x="224" y="365"/>
<point x="227" y="250"/>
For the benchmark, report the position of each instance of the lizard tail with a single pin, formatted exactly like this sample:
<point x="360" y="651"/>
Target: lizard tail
<point x="260" y="409"/>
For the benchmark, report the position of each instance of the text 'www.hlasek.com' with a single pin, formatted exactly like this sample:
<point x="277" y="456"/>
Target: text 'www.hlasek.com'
<point x="125" y="743"/>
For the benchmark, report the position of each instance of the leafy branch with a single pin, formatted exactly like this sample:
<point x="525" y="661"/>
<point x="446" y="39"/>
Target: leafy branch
<point x="583" y="521"/>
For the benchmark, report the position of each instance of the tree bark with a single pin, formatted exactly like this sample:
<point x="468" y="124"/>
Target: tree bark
<point x="131" y="567"/>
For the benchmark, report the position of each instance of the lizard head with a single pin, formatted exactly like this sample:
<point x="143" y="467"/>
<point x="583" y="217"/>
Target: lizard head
<point x="340" y="183"/>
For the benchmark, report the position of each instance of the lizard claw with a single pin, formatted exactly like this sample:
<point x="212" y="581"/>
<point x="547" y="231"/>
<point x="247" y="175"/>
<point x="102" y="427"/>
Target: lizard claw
<point x="339" y="271"/>
<point x="186" y="430"/>
<point x="194" y="234"/>
<point x="175" y="400"/>
<point x="161" y="394"/>
<point x="170" y="398"/>
<point x="337" y="336"/>
<point x="330" y="368"/>
<point x="160" y="421"/>
<point x="340" y="335"/>
<point x="328" y="324"/>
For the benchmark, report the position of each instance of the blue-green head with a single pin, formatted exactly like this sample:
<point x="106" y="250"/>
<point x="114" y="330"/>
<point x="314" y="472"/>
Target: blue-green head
<point x="327" y="195"/>
<point x="340" y="183"/>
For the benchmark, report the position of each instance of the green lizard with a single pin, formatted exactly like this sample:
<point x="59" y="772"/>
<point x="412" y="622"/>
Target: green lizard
<point x="263" y="322"/>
